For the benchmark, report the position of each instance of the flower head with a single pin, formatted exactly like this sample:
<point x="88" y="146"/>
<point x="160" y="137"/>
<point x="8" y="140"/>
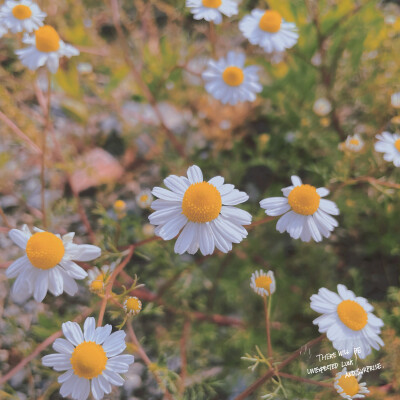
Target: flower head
<point x="132" y="305"/>
<point x="322" y="107"/>
<point x="46" y="48"/>
<point x="389" y="144"/>
<point x="306" y="215"/>
<point x="144" y="198"/>
<point x="269" y="30"/>
<point x="48" y="263"/>
<point x="263" y="283"/>
<point x="212" y="10"/>
<point x="353" y="143"/>
<point x="202" y="210"/>
<point x="90" y="358"/>
<point x="347" y="321"/>
<point x="98" y="278"/>
<point x="229" y="81"/>
<point x="348" y="386"/>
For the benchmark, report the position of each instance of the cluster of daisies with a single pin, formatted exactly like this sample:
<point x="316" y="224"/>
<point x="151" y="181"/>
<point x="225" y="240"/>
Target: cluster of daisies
<point x="45" y="46"/>
<point x="228" y="80"/>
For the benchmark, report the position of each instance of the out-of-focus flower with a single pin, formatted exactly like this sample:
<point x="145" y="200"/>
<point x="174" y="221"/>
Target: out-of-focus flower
<point x="305" y="214"/>
<point x="316" y="59"/>
<point x="212" y="10"/>
<point x="148" y="230"/>
<point x="132" y="305"/>
<point x="98" y="278"/>
<point x="322" y="107"/>
<point x="202" y="210"/>
<point x="348" y="386"/>
<point x="120" y="209"/>
<point x="47" y="264"/>
<point x="84" y="68"/>
<point x="395" y="100"/>
<point x="352" y="143"/>
<point x="92" y="360"/>
<point x="269" y="30"/>
<point x="263" y="283"/>
<point x="347" y="321"/>
<point x="229" y="81"/>
<point x="389" y="145"/>
<point x="144" y="198"/>
<point x="20" y="16"/>
<point x="46" y="48"/>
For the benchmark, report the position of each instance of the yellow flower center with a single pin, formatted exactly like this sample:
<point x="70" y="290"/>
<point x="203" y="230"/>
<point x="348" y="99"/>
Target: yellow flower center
<point x="352" y="315"/>
<point x="354" y="142"/>
<point x="349" y="384"/>
<point x="119" y="205"/>
<point x="133" y="304"/>
<point x="263" y="282"/>
<point x="271" y="21"/>
<point x="201" y="202"/>
<point x="21" y="12"/>
<point x="304" y="199"/>
<point x="88" y="360"/>
<point x="397" y="145"/>
<point x="44" y="250"/>
<point x="212" y="3"/>
<point x="97" y="286"/>
<point x="47" y="39"/>
<point x="233" y="76"/>
<point x="143" y="198"/>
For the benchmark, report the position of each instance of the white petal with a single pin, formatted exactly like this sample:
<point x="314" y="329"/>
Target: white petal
<point x="41" y="286"/>
<point x="115" y="343"/>
<point x="63" y="346"/>
<point x="56" y="283"/>
<point x="59" y="362"/>
<point x="102" y="333"/>
<point x="89" y="329"/>
<point x="17" y="267"/>
<point x="97" y="391"/>
<point x="194" y="174"/>
<point x="296" y="181"/>
<point x="72" y="331"/>
<point x="18" y="237"/>
<point x="86" y="252"/>
<point x="113" y="377"/>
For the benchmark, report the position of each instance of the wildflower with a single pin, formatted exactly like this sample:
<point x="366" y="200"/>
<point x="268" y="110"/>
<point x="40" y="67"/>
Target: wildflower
<point x="354" y="143"/>
<point x="389" y="144"/>
<point x="269" y="30"/>
<point x="305" y="213"/>
<point x="132" y="305"/>
<point x="263" y="283"/>
<point x="203" y="210"/>
<point x="46" y="48"/>
<point x="148" y="230"/>
<point x="120" y="209"/>
<point x="212" y="10"/>
<point x="322" y="107"/>
<point x="348" y="386"/>
<point x="98" y="278"/>
<point x="395" y="100"/>
<point x="20" y="16"/>
<point x="229" y="81"/>
<point x="347" y="321"/>
<point x="91" y="360"/>
<point x="47" y="264"/>
<point x="144" y="198"/>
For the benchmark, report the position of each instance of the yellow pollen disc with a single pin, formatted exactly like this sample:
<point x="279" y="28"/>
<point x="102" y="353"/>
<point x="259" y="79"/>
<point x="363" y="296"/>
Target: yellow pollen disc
<point x="88" y="360"/>
<point x="47" y="39"/>
<point x="44" y="250"/>
<point x="21" y="12"/>
<point x="233" y="76"/>
<point x="349" y="385"/>
<point x="354" y="142"/>
<point x="201" y="202"/>
<point x="270" y="21"/>
<point x="120" y="205"/>
<point x="352" y="315"/>
<point x="97" y="286"/>
<point x="212" y="3"/>
<point x="397" y="145"/>
<point x="144" y="198"/>
<point x="263" y="282"/>
<point x="304" y="199"/>
<point x="133" y="304"/>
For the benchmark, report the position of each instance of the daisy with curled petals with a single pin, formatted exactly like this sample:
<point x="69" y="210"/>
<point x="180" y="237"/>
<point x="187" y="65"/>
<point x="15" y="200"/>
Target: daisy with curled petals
<point x="47" y="264"/>
<point x="22" y="15"/>
<point x="354" y="143"/>
<point x="98" y="278"/>
<point x="46" y="48"/>
<point x="229" y="81"/>
<point x="347" y="321"/>
<point x="203" y="210"/>
<point x="389" y="144"/>
<point x="263" y="283"/>
<point x="91" y="359"/>
<point x="306" y="215"/>
<point x="212" y="10"/>
<point x="269" y="30"/>
<point x="349" y="387"/>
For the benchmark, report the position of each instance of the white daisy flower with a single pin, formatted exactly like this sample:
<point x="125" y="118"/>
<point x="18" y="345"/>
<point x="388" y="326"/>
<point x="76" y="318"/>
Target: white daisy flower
<point x="349" y="387"/>
<point x="354" y="143"/>
<point x="263" y="283"/>
<point x="229" y="81"/>
<point x="322" y="107"/>
<point x="395" y="100"/>
<point x="269" y="30"/>
<point x="98" y="278"/>
<point x="144" y="198"/>
<point x="22" y="15"/>
<point x="212" y="10"/>
<point x="47" y="264"/>
<point x="347" y="321"/>
<point x="389" y="144"/>
<point x="46" y="48"/>
<point x="91" y="360"/>
<point x="306" y="214"/>
<point x="132" y="305"/>
<point x="203" y="210"/>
